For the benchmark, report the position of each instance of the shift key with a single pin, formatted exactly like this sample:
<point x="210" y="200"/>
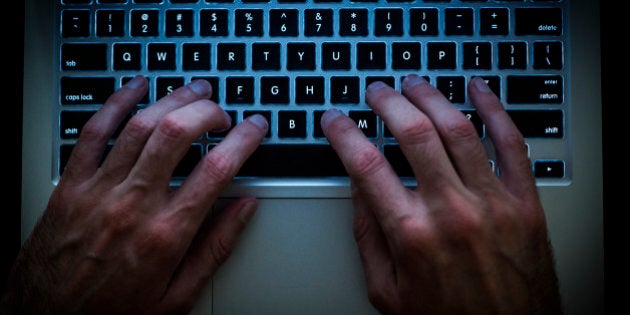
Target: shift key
<point x="535" y="89"/>
<point x="86" y="90"/>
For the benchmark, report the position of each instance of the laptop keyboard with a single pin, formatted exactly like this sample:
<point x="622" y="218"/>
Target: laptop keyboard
<point x="290" y="60"/>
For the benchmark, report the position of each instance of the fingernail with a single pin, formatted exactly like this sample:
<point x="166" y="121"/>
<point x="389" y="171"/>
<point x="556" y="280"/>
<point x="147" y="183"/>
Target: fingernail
<point x="480" y="85"/>
<point x="376" y="85"/>
<point x="136" y="82"/>
<point x="413" y="80"/>
<point x="259" y="120"/>
<point x="329" y="116"/>
<point x="200" y="87"/>
<point x="247" y="212"/>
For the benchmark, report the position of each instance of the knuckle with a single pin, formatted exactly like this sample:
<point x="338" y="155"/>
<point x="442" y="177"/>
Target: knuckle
<point x="367" y="162"/>
<point x="416" y="131"/>
<point x="172" y="128"/>
<point x="218" y="167"/>
<point x="138" y="128"/>
<point x="378" y="297"/>
<point x="160" y="240"/>
<point x="221" y="250"/>
<point x="460" y="130"/>
<point x="513" y="141"/>
<point x="415" y="234"/>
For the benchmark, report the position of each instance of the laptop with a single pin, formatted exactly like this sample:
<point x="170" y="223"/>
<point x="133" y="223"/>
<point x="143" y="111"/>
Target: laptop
<point x="290" y="61"/>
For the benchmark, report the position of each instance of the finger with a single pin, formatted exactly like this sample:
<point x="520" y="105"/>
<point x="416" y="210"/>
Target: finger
<point x="368" y="169"/>
<point x="216" y="170"/>
<point x="172" y="138"/>
<point x="458" y="134"/>
<point x="416" y="135"/>
<point x="511" y="153"/>
<point x="134" y="136"/>
<point x="209" y="250"/>
<point x="376" y="259"/>
<point x="88" y="152"/>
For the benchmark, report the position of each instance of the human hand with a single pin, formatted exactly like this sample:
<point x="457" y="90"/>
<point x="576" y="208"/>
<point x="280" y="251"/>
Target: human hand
<point x="115" y="239"/>
<point x="464" y="241"/>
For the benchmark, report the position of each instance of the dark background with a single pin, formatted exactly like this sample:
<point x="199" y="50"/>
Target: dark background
<point x="11" y="132"/>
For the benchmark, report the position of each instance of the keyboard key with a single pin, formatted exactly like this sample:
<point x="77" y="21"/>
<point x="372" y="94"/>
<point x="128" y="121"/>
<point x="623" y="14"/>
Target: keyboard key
<point x="391" y="81"/>
<point x="366" y="121"/>
<point x="513" y="55"/>
<point x="110" y="23"/>
<point x="239" y="90"/>
<point x="371" y="56"/>
<point x="230" y="56"/>
<point x="179" y="23"/>
<point x="548" y="55"/>
<point x="292" y="124"/>
<point x="265" y="113"/>
<point x="344" y="90"/>
<point x="161" y="56"/>
<point x="388" y="22"/>
<point x="318" y="22"/>
<point x="535" y="89"/>
<point x="442" y="55"/>
<point x="145" y="98"/>
<point x="266" y="56"/>
<point x="549" y="169"/>
<point x="494" y="83"/>
<point x="293" y="161"/>
<point x="300" y="56"/>
<point x="283" y="22"/>
<point x="477" y="55"/>
<point x="336" y="56"/>
<point x="274" y="90"/>
<point x="309" y="90"/>
<point x="458" y="21"/>
<point x="538" y="21"/>
<point x="248" y="22"/>
<point x="166" y="85"/>
<point x="453" y="88"/>
<point x="145" y="22"/>
<point x="539" y="123"/>
<point x="84" y="56"/>
<point x="406" y="56"/>
<point x="216" y="88"/>
<point x="494" y="21"/>
<point x="72" y="122"/>
<point x="187" y="164"/>
<point x="223" y="134"/>
<point x="196" y="56"/>
<point x="127" y="56"/>
<point x="75" y="23"/>
<point x="423" y="21"/>
<point x="86" y="90"/>
<point x="397" y="160"/>
<point x="475" y="120"/>
<point x="318" y="132"/>
<point x="213" y="22"/>
<point x="353" y="22"/>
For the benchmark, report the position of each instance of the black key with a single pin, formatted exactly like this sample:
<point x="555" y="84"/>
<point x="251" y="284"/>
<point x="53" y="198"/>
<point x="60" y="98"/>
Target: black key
<point x="264" y="113"/>
<point x="71" y="123"/>
<point x="397" y="160"/>
<point x="145" y="98"/>
<point x="283" y="22"/>
<point x="370" y="56"/>
<point x="549" y="169"/>
<point x="184" y="1"/>
<point x="353" y="22"/>
<point x="475" y="120"/>
<point x="539" y="123"/>
<point x="216" y="88"/>
<point x="318" y="132"/>
<point x="255" y="1"/>
<point x="388" y="22"/>
<point x="344" y="90"/>
<point x="147" y="1"/>
<point x="293" y="161"/>
<point x="391" y="81"/>
<point x="110" y="23"/>
<point x="187" y="164"/>
<point x="318" y="22"/>
<point x="366" y="121"/>
<point x="179" y="23"/>
<point x="161" y="56"/>
<point x="406" y="56"/>
<point x="249" y="22"/>
<point x="166" y="85"/>
<point x="453" y="88"/>
<point x="127" y="56"/>
<point x="76" y="1"/>
<point x="548" y="55"/>
<point x="266" y="56"/>
<point x="274" y="90"/>
<point x="223" y="134"/>
<point x="112" y="1"/>
<point x="239" y="90"/>
<point x="84" y="57"/>
<point x="196" y="56"/>
<point x="230" y="56"/>
<point x="458" y="21"/>
<point x="86" y="90"/>
<point x="291" y="1"/>
<point x="494" y="83"/>
<point x="220" y="1"/>
<point x="423" y="21"/>
<point x="309" y="90"/>
<point x="477" y="55"/>
<point x="535" y="89"/>
<point x="75" y="23"/>
<point x="145" y="22"/>
<point x="494" y="21"/>
<point x="538" y="21"/>
<point x="213" y="22"/>
<point x="442" y="55"/>
<point x="336" y="56"/>
<point x="291" y="124"/>
<point x="300" y="56"/>
<point x="513" y="55"/>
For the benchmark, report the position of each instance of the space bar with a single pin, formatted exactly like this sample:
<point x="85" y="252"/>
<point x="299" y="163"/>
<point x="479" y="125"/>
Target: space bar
<point x="293" y="161"/>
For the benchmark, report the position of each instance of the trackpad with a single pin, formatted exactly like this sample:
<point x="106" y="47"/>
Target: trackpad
<point x="297" y="256"/>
